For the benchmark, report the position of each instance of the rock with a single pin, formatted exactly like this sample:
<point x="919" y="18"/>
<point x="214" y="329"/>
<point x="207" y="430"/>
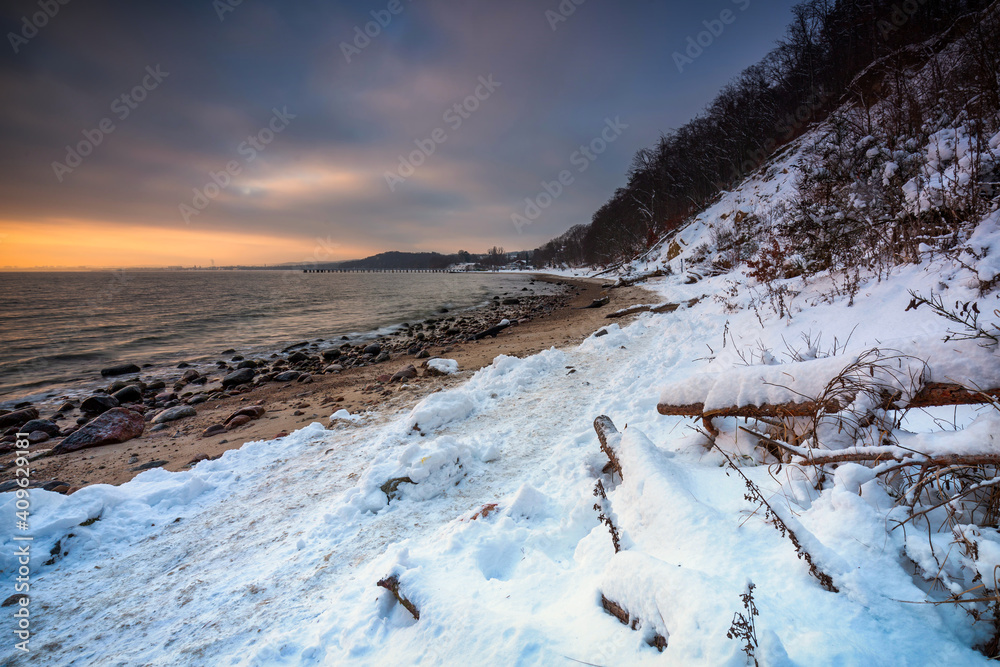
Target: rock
<point x="334" y="368"/>
<point x="251" y="412"/>
<point x="247" y="363"/>
<point x="159" y="427"/>
<point x="199" y="459"/>
<point x="241" y="376"/>
<point x="331" y="354"/>
<point x="13" y="599"/>
<point x="18" y="417"/>
<point x="96" y="405"/>
<point x="121" y="369"/>
<point x="214" y="429"/>
<point x="511" y="301"/>
<point x="297" y="357"/>
<point x="295" y="346"/>
<point x="236" y="422"/>
<point x="373" y="349"/>
<point x="602" y="332"/>
<point x="197" y="399"/>
<point x="149" y="466"/>
<point x="229" y="351"/>
<point x="385" y="378"/>
<point x="183" y="364"/>
<point x="35" y="437"/>
<point x="51" y="428"/>
<point x="423" y="354"/>
<point x="305" y="378"/>
<point x="156" y="385"/>
<point x="287" y="376"/>
<point x="190" y="376"/>
<point x="407" y="373"/>
<point x="173" y="414"/>
<point x="114" y="426"/>
<point x="129" y="394"/>
<point x="66" y="407"/>
<point x="384" y="356"/>
<point x="238" y="357"/>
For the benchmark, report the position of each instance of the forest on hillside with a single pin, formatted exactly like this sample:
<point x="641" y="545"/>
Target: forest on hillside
<point x="836" y="56"/>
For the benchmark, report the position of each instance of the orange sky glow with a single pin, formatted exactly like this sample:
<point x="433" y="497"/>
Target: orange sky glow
<point x="79" y="243"/>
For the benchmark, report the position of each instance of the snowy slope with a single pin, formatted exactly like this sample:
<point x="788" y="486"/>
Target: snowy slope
<point x="271" y="554"/>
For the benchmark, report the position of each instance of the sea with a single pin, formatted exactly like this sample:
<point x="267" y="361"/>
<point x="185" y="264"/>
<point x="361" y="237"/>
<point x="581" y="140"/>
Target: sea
<point x="57" y="330"/>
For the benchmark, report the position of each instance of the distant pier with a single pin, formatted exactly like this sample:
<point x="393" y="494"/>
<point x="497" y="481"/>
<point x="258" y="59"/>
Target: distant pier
<point x="375" y="271"/>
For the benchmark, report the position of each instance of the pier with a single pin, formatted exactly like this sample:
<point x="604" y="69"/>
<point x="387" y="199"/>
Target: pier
<point x="375" y="271"/>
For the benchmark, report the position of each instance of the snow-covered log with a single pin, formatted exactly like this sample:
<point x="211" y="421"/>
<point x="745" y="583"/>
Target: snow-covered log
<point x="931" y="395"/>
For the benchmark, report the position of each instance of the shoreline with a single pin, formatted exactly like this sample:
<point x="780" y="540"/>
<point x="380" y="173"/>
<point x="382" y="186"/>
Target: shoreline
<point x="542" y="322"/>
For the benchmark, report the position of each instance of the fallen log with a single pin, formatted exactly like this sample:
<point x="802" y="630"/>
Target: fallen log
<point x="931" y="395"/>
<point x="610" y="438"/>
<point x="651" y="308"/>
<point x="391" y="584"/>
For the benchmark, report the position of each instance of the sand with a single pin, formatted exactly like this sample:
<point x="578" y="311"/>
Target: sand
<point x="291" y="406"/>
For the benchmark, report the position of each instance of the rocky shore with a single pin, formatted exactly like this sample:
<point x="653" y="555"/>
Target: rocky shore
<point x="175" y="418"/>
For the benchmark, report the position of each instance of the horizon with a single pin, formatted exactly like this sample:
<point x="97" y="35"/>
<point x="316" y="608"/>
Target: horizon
<point x="275" y="134"/>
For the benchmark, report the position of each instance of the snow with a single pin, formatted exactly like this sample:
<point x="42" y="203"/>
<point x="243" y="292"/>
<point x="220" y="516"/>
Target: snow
<point x="271" y="554"/>
<point x="446" y="366"/>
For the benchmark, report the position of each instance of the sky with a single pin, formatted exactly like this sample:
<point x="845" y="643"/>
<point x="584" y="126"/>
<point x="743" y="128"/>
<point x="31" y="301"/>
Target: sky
<point x="264" y="132"/>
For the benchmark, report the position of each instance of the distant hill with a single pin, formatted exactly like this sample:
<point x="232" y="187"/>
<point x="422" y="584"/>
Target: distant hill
<point x="403" y="260"/>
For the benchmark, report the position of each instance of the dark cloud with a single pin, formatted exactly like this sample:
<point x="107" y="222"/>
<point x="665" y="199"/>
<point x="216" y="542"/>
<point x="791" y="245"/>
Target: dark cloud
<point x="325" y="174"/>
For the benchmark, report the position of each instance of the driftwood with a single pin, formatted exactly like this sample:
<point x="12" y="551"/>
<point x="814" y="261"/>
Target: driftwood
<point x="931" y="395"/>
<point x="609" y="437"/>
<point x="492" y="331"/>
<point x="391" y="584"/>
<point x="647" y="308"/>
<point x="598" y="303"/>
<point x="622" y="614"/>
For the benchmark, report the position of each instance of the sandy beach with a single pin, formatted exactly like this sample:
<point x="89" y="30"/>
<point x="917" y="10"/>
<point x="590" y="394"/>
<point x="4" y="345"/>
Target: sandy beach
<point x="288" y="406"/>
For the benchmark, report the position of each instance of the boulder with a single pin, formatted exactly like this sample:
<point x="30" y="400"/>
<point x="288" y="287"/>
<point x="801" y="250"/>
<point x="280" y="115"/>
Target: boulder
<point x="18" y="417"/>
<point x="331" y="354"/>
<point x="114" y="426"/>
<point x="35" y="437"/>
<point x="96" y="405"/>
<point x="41" y="425"/>
<point x="247" y="363"/>
<point x="129" y="394"/>
<point x="407" y="373"/>
<point x="287" y="376"/>
<point x="190" y="375"/>
<point x="373" y="349"/>
<point x="173" y="414"/>
<point x="121" y="369"/>
<point x="236" y="378"/>
<point x="297" y="357"/>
